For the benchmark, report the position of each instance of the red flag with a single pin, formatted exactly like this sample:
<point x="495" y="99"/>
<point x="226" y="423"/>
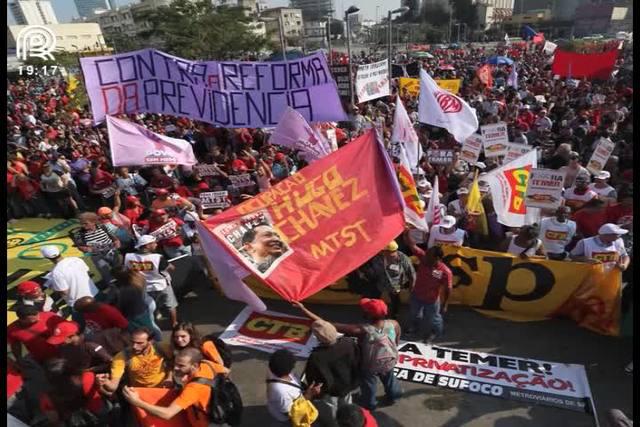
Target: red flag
<point x="579" y="65"/>
<point x="484" y="73"/>
<point x="318" y="225"/>
<point x="538" y="38"/>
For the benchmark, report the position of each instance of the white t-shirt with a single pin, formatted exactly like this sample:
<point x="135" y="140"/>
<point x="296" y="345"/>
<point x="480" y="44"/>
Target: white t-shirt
<point x="149" y="266"/>
<point x="576" y="201"/>
<point x="437" y="237"/>
<point x="556" y="235"/>
<point x="280" y="397"/>
<point x="455" y="208"/>
<point x="607" y="191"/>
<point x="72" y="275"/>
<point x="594" y="248"/>
<point x="515" y="249"/>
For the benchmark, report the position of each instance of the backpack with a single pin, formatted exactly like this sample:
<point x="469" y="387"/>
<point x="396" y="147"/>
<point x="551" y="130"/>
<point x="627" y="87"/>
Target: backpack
<point x="379" y="352"/>
<point x="225" y="404"/>
<point x="223" y="349"/>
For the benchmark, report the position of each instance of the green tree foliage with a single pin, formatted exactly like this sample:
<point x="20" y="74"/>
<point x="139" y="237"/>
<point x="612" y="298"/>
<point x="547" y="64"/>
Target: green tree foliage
<point x="195" y="29"/>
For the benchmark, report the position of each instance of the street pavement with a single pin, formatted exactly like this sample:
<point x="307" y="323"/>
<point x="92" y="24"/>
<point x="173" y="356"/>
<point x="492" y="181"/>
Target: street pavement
<point x="554" y="340"/>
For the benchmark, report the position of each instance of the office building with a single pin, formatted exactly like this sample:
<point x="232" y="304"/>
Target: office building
<point x="87" y="8"/>
<point x="33" y="12"/>
<point x="314" y="10"/>
<point x="292" y="23"/>
<point x="69" y="37"/>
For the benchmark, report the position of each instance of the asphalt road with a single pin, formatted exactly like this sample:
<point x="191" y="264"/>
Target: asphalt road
<point x="555" y="340"/>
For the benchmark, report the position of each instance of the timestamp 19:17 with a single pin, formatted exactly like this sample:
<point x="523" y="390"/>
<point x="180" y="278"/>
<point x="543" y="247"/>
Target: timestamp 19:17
<point x="45" y="70"/>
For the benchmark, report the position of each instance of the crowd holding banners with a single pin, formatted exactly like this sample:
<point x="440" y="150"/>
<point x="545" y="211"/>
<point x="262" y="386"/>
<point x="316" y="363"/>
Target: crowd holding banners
<point x="556" y="116"/>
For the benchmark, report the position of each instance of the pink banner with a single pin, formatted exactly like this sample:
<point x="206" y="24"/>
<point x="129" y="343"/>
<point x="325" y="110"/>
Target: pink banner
<point x="134" y="145"/>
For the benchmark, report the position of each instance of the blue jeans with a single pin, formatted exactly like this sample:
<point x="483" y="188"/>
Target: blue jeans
<point x="429" y="314"/>
<point x="369" y="384"/>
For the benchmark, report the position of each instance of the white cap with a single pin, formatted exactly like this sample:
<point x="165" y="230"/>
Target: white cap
<point x="145" y="240"/>
<point x="50" y="252"/>
<point x="612" y="229"/>
<point x="481" y="165"/>
<point x="448" y="221"/>
<point x="484" y="187"/>
<point x="423" y="183"/>
<point x="602" y="175"/>
<point x="190" y="217"/>
<point x="462" y="190"/>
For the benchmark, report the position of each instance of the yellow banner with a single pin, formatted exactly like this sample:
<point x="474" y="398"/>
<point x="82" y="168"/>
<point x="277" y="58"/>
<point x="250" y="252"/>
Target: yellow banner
<point x="411" y="86"/>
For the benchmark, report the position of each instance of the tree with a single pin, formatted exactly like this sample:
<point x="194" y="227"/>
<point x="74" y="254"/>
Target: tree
<point x="195" y="29"/>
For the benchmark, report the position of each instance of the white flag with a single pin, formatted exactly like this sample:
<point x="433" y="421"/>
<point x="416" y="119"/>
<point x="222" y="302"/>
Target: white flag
<point x="438" y="107"/>
<point x="508" y="189"/>
<point x="405" y="135"/>
<point x="512" y="80"/>
<point x="506" y="39"/>
<point x="433" y="208"/>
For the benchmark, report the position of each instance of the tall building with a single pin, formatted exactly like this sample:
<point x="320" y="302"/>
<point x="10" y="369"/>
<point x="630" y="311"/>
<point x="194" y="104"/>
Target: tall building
<point x="86" y="8"/>
<point x="314" y="10"/>
<point x="292" y="23"/>
<point x="33" y="12"/>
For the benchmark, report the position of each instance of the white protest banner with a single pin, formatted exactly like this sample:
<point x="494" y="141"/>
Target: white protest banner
<point x="241" y="181"/>
<point x="270" y="331"/>
<point x="168" y="230"/>
<point x="495" y="139"/>
<point x="600" y="155"/>
<point x="515" y="150"/>
<point x="207" y="170"/>
<point x="471" y="149"/>
<point x="372" y="81"/>
<point x="215" y="200"/>
<point x="549" y="47"/>
<point x="544" y="189"/>
<point x="440" y="157"/>
<point x="561" y="385"/>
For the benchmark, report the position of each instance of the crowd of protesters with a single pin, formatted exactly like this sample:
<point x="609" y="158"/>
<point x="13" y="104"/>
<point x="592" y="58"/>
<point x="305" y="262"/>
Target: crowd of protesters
<point x="59" y="166"/>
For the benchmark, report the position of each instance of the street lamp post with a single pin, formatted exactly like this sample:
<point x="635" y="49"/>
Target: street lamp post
<point x="329" y="39"/>
<point x="390" y="14"/>
<point x="348" y="12"/>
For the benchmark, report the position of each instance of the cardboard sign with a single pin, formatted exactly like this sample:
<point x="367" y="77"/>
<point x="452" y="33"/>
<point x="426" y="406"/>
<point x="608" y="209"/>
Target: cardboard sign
<point x="341" y="76"/>
<point x="207" y="170"/>
<point x="535" y="381"/>
<point x="515" y="150"/>
<point x="471" y="149"/>
<point x="241" y="181"/>
<point x="440" y="157"/>
<point x="167" y="231"/>
<point x="270" y="331"/>
<point x="215" y="200"/>
<point x="372" y="81"/>
<point x="544" y="189"/>
<point x="495" y="139"/>
<point x="600" y="155"/>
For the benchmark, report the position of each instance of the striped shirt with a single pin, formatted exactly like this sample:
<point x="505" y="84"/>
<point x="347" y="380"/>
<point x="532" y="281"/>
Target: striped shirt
<point x="99" y="240"/>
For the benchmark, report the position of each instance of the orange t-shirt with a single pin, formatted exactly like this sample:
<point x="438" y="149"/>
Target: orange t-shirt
<point x="195" y="397"/>
<point x="210" y="352"/>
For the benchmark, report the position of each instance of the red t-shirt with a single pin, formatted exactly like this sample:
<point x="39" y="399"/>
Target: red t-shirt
<point x="618" y="211"/>
<point x="427" y="288"/>
<point x="369" y="421"/>
<point x="588" y="223"/>
<point x="34" y="338"/>
<point x="105" y="317"/>
<point x="133" y="214"/>
<point x="175" y="239"/>
<point x="162" y="181"/>
<point x="101" y="180"/>
<point x="90" y="392"/>
<point x="14" y="381"/>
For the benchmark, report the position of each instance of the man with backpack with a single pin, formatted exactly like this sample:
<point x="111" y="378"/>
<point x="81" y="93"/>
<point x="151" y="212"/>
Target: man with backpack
<point x="194" y="377"/>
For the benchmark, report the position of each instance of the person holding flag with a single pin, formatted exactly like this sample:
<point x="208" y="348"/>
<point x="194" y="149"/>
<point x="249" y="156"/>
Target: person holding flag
<point x="476" y="219"/>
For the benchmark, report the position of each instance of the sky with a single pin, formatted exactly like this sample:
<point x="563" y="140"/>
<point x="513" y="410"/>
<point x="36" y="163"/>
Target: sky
<point x="66" y="9"/>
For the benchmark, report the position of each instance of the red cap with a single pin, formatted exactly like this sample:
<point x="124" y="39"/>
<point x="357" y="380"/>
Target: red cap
<point x="279" y="156"/>
<point x="63" y="331"/>
<point x="162" y="192"/>
<point x="132" y="200"/>
<point x="28" y="288"/>
<point x="242" y="168"/>
<point x="159" y="212"/>
<point x="238" y="163"/>
<point x="375" y="308"/>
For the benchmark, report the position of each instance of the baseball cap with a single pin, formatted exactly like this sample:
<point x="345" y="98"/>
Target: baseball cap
<point x="481" y="165"/>
<point x="145" y="240"/>
<point x="374" y="307"/>
<point x="610" y="228"/>
<point x="50" y="251"/>
<point x="392" y="246"/>
<point x="324" y="331"/>
<point x="462" y="190"/>
<point x="28" y="288"/>
<point x="423" y="183"/>
<point x="132" y="199"/>
<point x="448" y="221"/>
<point x="279" y="156"/>
<point x="190" y="217"/>
<point x="104" y="211"/>
<point x="63" y="331"/>
<point x="159" y="212"/>
<point x="602" y="175"/>
<point x="162" y="192"/>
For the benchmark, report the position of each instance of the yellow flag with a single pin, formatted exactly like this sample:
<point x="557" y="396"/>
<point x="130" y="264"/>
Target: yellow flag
<point x="72" y="86"/>
<point x="476" y="209"/>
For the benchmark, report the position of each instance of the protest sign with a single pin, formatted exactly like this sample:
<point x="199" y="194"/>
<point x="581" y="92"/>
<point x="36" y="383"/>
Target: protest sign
<point x="109" y="191"/>
<point x="471" y="148"/>
<point x="340" y="74"/>
<point x="411" y="86"/>
<point x="600" y="155"/>
<point x="515" y="150"/>
<point x="166" y="231"/>
<point x="241" y="181"/>
<point x="215" y="200"/>
<point x="549" y="47"/>
<point x="372" y="81"/>
<point x="270" y="331"/>
<point x="230" y="94"/>
<point x="321" y="223"/>
<point x="440" y="157"/>
<point x="561" y="385"/>
<point x="495" y="139"/>
<point x="207" y="170"/>
<point x="544" y="189"/>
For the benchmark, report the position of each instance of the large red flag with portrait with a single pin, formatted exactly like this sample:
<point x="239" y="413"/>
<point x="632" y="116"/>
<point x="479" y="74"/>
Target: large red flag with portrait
<point x="318" y="225"/>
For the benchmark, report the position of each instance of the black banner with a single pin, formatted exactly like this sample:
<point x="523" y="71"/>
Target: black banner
<point x="341" y="76"/>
